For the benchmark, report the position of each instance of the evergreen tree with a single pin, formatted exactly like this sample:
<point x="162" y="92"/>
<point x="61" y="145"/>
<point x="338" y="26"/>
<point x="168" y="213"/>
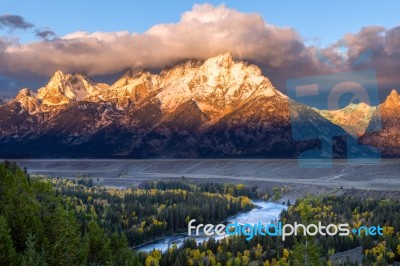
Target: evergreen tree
<point x="306" y="253"/>
<point x="7" y="251"/>
<point x="31" y="257"/>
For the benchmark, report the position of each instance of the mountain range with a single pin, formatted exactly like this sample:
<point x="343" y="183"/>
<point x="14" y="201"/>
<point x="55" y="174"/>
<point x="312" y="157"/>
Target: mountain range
<point x="215" y="108"/>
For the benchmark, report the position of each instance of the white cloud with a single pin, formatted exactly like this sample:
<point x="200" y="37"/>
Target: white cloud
<point x="203" y="32"/>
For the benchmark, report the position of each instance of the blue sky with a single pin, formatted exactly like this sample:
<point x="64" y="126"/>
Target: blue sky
<point x="318" y="22"/>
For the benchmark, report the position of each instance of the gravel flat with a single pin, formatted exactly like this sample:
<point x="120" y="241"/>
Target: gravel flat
<point x="378" y="176"/>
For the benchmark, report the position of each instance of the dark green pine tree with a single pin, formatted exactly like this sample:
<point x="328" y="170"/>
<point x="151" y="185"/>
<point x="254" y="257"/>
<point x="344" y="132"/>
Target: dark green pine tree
<point x="306" y="253"/>
<point x="31" y="257"/>
<point x="7" y="251"/>
<point x="99" y="247"/>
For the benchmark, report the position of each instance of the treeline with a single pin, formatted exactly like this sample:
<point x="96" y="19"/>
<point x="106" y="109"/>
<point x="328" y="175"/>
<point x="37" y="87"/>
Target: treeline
<point x="235" y="190"/>
<point x="37" y="229"/>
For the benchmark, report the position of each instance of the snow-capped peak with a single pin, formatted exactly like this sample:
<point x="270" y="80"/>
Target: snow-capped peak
<point x="125" y="79"/>
<point x="57" y="78"/>
<point x="25" y="92"/>
<point x="354" y="118"/>
<point x="218" y="85"/>
<point x="392" y="102"/>
<point x="62" y="89"/>
<point x="394" y="95"/>
<point x="223" y="60"/>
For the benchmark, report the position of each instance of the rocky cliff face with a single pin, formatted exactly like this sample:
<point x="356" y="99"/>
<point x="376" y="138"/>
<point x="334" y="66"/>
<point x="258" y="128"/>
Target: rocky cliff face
<point x="213" y="108"/>
<point x="354" y="118"/>
<point x="383" y="130"/>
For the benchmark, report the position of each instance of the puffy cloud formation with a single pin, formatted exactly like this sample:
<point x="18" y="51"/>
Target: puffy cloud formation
<point x="385" y="49"/>
<point x="203" y="32"/>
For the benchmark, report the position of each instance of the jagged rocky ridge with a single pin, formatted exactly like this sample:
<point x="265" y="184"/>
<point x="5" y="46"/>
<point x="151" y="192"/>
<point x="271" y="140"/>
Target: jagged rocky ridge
<point x="195" y="109"/>
<point x="383" y="130"/>
<point x="354" y="118"/>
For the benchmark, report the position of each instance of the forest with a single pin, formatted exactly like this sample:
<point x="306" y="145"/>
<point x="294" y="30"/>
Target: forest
<point x="56" y="221"/>
<point x="158" y="209"/>
<point x="301" y="250"/>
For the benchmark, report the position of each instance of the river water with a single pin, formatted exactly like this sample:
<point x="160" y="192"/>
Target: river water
<point x="265" y="212"/>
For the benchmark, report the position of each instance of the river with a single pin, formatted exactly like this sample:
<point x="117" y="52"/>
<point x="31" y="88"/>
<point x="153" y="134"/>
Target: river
<point x="265" y="212"/>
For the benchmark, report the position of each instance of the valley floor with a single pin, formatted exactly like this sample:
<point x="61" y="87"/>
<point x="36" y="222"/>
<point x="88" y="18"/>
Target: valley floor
<point x="379" y="179"/>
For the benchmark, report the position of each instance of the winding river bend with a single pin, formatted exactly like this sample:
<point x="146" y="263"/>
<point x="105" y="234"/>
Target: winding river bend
<point x="265" y="212"/>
